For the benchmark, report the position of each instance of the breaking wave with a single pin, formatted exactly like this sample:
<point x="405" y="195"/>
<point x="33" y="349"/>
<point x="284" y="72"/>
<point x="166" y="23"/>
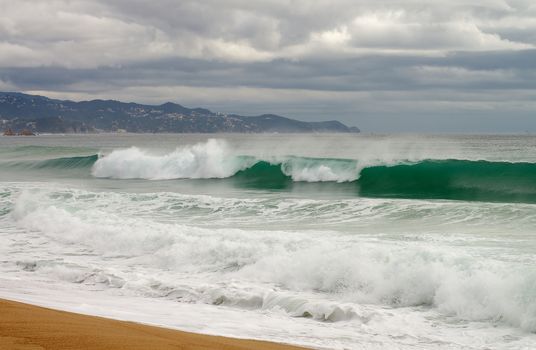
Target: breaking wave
<point x="214" y="160"/>
<point x="429" y="178"/>
<point x="320" y="275"/>
<point x="455" y="179"/>
<point x="201" y="161"/>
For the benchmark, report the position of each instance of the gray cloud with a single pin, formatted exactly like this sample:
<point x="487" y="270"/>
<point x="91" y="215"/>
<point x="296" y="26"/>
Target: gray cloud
<point x="383" y="65"/>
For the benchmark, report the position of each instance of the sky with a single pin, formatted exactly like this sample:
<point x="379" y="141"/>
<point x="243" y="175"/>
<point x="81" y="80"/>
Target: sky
<point x="384" y="66"/>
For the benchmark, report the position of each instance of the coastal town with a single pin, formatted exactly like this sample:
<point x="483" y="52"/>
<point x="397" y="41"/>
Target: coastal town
<point x="24" y="132"/>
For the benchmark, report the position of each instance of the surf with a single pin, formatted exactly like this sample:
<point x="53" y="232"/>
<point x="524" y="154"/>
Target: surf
<point x="322" y="275"/>
<point x="443" y="179"/>
<point x="452" y="179"/>
<point x="349" y="238"/>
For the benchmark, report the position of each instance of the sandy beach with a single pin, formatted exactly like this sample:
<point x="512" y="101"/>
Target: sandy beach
<point x="29" y="327"/>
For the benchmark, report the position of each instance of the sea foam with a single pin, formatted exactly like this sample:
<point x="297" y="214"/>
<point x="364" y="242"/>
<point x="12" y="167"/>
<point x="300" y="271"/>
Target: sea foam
<point x="200" y="161"/>
<point x="314" y="274"/>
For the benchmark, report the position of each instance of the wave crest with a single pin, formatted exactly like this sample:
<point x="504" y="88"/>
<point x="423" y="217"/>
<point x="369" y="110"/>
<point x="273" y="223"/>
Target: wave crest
<point x="320" y="170"/>
<point x="200" y="161"/>
<point x="456" y="179"/>
<point x="213" y="159"/>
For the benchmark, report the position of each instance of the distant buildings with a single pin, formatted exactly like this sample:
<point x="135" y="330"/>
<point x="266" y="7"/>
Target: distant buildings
<point x="25" y="132"/>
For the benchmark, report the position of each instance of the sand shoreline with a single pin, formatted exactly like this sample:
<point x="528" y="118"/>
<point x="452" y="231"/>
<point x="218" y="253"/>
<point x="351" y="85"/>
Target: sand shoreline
<point x="29" y="327"/>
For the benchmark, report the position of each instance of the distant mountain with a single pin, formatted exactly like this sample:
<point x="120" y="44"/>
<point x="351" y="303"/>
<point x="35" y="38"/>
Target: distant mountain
<point x="41" y="114"/>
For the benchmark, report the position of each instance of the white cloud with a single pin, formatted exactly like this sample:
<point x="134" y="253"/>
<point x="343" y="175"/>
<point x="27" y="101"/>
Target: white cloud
<point x="14" y="55"/>
<point x="454" y="75"/>
<point x="96" y="33"/>
<point x="394" y="30"/>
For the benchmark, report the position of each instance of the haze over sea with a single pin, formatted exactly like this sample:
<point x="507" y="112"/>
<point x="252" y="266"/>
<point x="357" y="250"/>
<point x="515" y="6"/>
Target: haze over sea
<point x="340" y="241"/>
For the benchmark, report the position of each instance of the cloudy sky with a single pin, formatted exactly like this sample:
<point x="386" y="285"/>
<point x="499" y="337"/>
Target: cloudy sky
<point x="398" y="65"/>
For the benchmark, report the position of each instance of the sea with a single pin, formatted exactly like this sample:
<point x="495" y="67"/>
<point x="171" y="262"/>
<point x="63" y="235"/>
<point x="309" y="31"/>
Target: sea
<point x="330" y="241"/>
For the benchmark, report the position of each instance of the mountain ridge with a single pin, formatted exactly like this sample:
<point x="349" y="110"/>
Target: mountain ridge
<point x="37" y="113"/>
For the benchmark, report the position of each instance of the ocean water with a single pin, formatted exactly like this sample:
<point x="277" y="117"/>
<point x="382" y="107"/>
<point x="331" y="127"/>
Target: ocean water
<point x="327" y="241"/>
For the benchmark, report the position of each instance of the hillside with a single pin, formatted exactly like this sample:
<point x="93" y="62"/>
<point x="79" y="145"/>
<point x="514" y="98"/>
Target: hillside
<point x="41" y="114"/>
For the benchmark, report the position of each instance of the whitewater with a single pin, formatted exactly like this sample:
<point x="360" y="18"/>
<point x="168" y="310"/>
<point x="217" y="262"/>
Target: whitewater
<point x="326" y="241"/>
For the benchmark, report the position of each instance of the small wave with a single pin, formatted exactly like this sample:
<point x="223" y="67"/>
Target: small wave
<point x="68" y="162"/>
<point x="82" y="162"/>
<point x="33" y="150"/>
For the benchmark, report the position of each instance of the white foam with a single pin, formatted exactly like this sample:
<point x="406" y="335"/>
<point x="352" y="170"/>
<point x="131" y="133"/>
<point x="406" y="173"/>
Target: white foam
<point x="213" y="159"/>
<point x="304" y="273"/>
<point x="383" y="329"/>
<point x="201" y="161"/>
<point x="309" y="170"/>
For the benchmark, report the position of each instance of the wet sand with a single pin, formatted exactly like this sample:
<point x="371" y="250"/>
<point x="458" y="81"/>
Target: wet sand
<point x="29" y="327"/>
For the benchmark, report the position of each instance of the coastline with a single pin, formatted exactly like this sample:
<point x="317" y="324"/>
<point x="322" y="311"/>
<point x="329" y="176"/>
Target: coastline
<point x="29" y="327"/>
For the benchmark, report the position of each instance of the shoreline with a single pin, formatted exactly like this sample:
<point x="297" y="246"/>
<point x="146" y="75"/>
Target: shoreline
<point x="29" y="327"/>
